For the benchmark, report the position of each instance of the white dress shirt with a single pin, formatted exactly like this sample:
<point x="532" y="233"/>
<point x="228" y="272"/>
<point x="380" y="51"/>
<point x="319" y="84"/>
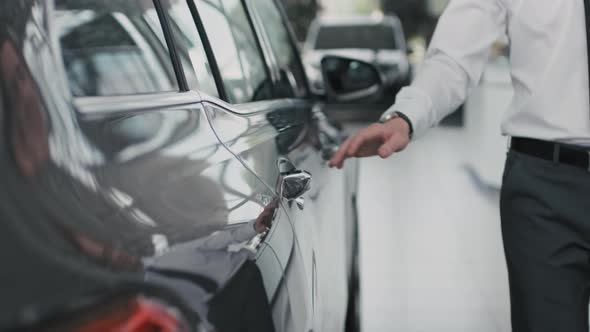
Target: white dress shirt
<point x="549" y="67"/>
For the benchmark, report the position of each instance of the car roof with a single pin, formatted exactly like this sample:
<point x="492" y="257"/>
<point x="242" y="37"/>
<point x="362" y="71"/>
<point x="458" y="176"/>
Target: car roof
<point x="358" y="20"/>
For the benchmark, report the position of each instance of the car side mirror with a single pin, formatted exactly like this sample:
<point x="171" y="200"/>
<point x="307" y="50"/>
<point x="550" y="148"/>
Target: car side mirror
<point x="350" y="80"/>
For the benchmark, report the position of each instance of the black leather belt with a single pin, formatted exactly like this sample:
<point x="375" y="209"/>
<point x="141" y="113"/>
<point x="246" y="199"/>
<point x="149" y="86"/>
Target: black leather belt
<point x="556" y="152"/>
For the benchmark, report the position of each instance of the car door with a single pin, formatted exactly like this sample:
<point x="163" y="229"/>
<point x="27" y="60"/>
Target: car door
<point x="325" y="226"/>
<point x="254" y="126"/>
<point x="293" y="94"/>
<point x="333" y="199"/>
<point x="198" y="66"/>
<point x="180" y="201"/>
<point x="279" y="124"/>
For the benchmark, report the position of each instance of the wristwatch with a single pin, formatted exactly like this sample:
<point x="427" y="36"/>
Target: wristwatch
<point x="394" y="115"/>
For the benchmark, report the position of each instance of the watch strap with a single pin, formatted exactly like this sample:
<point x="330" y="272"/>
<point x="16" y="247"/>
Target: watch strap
<point x="396" y="114"/>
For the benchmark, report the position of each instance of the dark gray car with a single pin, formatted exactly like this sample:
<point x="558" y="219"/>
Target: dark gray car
<point x="163" y="168"/>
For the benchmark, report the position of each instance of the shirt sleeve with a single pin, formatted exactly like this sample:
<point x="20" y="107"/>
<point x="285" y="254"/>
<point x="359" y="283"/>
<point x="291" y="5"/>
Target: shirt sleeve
<point x="454" y="62"/>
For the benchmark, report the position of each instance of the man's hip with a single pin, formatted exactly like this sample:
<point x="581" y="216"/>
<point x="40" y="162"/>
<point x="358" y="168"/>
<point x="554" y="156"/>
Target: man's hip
<point x="545" y="209"/>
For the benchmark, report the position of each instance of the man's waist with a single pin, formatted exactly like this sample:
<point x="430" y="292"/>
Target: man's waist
<point x="566" y="122"/>
<point x="559" y="153"/>
<point x="566" y="134"/>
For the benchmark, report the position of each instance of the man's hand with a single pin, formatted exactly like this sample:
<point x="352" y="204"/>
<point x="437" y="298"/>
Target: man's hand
<point x="382" y="139"/>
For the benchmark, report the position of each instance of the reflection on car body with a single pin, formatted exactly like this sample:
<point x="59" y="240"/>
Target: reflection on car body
<point x="140" y="176"/>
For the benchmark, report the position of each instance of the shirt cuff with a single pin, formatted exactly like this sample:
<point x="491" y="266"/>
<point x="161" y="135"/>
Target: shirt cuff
<point x="417" y="106"/>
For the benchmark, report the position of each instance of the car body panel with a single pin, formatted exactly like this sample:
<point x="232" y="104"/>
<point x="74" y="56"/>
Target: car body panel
<point x="266" y="136"/>
<point x="120" y="192"/>
<point x="169" y="194"/>
<point x="306" y="138"/>
<point x="291" y="132"/>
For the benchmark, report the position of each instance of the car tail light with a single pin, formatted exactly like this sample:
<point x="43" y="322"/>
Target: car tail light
<point x="139" y="314"/>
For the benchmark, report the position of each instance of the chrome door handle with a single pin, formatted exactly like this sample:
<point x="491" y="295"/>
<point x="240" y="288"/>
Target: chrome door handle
<point x="296" y="184"/>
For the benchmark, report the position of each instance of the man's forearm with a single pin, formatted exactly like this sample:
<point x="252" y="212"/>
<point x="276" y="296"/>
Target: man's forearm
<point x="454" y="63"/>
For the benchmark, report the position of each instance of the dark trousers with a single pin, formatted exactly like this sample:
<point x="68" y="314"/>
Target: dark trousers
<point x="545" y="209"/>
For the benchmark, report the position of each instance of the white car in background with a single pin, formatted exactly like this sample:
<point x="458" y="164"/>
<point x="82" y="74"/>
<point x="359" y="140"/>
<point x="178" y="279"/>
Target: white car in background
<point x="375" y="39"/>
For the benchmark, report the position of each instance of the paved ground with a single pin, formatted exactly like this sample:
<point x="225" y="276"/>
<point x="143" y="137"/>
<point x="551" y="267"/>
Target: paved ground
<point x="432" y="256"/>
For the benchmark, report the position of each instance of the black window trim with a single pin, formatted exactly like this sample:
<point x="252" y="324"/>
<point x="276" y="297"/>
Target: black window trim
<point x="174" y="57"/>
<point x="294" y="45"/>
<point x="261" y="46"/>
<point x="211" y="55"/>
<point x="208" y="50"/>
<point x="261" y="31"/>
<point x="265" y="45"/>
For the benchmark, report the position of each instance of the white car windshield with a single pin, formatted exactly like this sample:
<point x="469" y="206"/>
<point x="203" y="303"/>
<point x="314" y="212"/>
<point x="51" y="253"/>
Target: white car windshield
<point x="356" y="36"/>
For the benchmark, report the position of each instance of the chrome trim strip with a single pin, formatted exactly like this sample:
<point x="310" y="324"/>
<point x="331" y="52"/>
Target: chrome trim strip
<point x="101" y="106"/>
<point x="257" y="106"/>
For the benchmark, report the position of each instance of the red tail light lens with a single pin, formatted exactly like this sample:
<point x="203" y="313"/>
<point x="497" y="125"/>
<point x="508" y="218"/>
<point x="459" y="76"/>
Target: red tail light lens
<point x="138" y="315"/>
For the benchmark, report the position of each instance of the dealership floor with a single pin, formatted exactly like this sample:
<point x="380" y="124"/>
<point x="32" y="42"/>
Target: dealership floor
<point x="432" y="256"/>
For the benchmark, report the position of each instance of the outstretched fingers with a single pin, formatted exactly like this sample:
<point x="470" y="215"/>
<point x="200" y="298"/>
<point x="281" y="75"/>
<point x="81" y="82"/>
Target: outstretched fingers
<point x="340" y="155"/>
<point x="360" y="139"/>
<point x="364" y="144"/>
<point x="393" y="145"/>
<point x="356" y="143"/>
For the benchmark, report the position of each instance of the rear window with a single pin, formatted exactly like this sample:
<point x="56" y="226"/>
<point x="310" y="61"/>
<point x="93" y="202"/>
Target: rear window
<point x="357" y="36"/>
<point x="112" y="48"/>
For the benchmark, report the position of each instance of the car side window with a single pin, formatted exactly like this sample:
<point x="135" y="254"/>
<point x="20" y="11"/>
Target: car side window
<point x="190" y="48"/>
<point x="113" y="48"/>
<point x="292" y="76"/>
<point x="236" y="50"/>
